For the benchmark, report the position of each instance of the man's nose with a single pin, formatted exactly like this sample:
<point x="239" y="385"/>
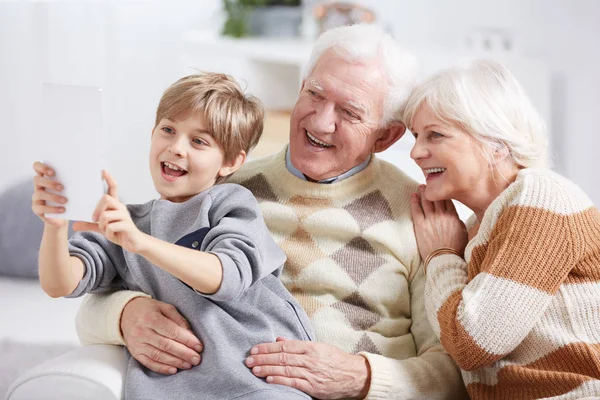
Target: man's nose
<point x="325" y="118"/>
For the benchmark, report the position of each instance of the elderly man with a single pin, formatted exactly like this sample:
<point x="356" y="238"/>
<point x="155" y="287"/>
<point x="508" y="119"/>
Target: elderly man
<point x="342" y="217"/>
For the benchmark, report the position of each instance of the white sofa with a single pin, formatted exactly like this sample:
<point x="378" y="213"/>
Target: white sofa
<point x="88" y="372"/>
<point x="31" y="317"/>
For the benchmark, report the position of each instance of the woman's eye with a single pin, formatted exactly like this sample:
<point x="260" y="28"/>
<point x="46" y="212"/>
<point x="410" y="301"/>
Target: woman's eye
<point x="199" y="142"/>
<point x="166" y="129"/>
<point x="435" y="135"/>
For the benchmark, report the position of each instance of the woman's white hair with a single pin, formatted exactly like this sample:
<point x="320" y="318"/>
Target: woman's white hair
<point x="486" y="101"/>
<point x="365" y="42"/>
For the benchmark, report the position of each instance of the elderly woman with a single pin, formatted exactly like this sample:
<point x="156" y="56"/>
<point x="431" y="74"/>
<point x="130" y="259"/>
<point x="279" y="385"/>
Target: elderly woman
<point x="515" y="298"/>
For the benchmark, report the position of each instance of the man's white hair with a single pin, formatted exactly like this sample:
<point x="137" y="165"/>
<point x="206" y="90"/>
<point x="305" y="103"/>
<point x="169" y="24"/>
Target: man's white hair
<point x="486" y="101"/>
<point x="363" y="43"/>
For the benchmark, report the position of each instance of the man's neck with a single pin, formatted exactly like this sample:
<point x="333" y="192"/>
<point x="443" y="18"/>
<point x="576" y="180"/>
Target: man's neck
<point x="296" y="172"/>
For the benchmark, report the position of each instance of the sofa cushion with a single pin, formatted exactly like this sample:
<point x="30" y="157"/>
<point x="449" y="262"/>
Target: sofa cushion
<point x="20" y="231"/>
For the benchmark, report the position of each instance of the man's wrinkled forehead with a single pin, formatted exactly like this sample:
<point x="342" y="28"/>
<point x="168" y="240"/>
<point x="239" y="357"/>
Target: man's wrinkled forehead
<point x="359" y="104"/>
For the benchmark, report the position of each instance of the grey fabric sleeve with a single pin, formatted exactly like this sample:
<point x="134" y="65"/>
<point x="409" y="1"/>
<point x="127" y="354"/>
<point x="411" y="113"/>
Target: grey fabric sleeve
<point x="100" y="258"/>
<point x="241" y="240"/>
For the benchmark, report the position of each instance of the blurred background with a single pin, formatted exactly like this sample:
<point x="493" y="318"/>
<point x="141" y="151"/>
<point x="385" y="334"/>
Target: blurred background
<point x="135" y="49"/>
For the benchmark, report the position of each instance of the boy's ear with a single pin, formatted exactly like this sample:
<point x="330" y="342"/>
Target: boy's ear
<point x="229" y="168"/>
<point x="389" y="136"/>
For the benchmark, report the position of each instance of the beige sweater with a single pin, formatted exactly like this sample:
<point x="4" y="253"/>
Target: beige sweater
<point x="354" y="266"/>
<point x="521" y="314"/>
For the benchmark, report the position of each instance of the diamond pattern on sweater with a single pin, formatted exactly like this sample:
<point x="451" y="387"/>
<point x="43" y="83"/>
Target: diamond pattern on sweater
<point x="359" y="259"/>
<point x="308" y="302"/>
<point x="370" y="210"/>
<point x="365" y="344"/>
<point x="305" y="206"/>
<point x="301" y="251"/>
<point x="357" y="312"/>
<point x="259" y="186"/>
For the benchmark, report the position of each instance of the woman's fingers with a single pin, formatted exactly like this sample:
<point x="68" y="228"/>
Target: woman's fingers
<point x="425" y="204"/>
<point x="415" y="208"/>
<point x="450" y="207"/>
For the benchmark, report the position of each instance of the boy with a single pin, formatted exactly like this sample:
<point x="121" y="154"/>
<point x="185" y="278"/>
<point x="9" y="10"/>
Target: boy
<point x="209" y="252"/>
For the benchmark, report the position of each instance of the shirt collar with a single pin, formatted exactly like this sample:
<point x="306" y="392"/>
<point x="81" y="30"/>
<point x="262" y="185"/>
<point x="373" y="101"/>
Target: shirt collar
<point x="294" y="171"/>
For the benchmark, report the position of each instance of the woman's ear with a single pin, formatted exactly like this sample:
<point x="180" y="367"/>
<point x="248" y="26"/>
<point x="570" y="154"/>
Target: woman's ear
<point x="389" y="136"/>
<point x="230" y="167"/>
<point x="500" y="153"/>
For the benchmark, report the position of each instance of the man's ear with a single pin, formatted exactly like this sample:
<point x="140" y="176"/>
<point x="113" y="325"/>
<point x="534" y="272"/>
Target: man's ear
<point x="229" y="168"/>
<point x="389" y="136"/>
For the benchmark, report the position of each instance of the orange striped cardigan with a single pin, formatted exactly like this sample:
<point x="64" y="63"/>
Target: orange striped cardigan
<point x="520" y="314"/>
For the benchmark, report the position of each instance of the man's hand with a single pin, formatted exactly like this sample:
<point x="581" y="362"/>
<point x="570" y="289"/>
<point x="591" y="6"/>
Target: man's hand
<point x="113" y="220"/>
<point x="318" y="369"/>
<point x="158" y="336"/>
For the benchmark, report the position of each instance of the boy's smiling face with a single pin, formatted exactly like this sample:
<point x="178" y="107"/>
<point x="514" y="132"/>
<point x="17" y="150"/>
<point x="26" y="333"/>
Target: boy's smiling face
<point x="185" y="159"/>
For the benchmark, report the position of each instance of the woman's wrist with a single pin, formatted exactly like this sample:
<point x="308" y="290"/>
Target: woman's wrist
<point x="437" y="252"/>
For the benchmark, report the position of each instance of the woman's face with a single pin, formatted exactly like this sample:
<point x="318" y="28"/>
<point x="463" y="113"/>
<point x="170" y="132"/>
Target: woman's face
<point x="453" y="163"/>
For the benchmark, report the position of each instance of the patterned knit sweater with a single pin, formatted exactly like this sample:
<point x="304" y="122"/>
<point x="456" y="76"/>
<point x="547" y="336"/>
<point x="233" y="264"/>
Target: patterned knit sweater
<point x="353" y="264"/>
<point x="521" y="314"/>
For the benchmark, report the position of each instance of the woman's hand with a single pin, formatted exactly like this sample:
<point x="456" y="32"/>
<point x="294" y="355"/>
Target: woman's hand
<point x="112" y="220"/>
<point x="158" y="336"/>
<point x="43" y="182"/>
<point x="318" y="369"/>
<point x="436" y="224"/>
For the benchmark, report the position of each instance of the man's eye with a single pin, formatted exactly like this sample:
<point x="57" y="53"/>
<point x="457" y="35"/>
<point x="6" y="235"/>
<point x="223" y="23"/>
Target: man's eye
<point x="350" y="114"/>
<point x="199" y="142"/>
<point x="312" y="93"/>
<point x="166" y="129"/>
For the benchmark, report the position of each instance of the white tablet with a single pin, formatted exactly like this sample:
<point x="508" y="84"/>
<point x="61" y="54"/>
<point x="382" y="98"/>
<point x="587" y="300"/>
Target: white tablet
<point x="73" y="145"/>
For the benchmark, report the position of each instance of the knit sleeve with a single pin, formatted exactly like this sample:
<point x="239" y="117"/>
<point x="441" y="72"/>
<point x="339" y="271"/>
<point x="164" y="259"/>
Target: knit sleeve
<point x="98" y="319"/>
<point x="430" y="375"/>
<point x="530" y="251"/>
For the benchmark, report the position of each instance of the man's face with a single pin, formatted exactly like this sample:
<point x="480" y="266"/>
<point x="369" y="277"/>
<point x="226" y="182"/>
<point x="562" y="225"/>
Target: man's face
<point x="335" y="123"/>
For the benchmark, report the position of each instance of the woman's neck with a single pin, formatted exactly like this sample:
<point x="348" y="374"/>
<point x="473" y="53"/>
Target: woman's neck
<point x="498" y="181"/>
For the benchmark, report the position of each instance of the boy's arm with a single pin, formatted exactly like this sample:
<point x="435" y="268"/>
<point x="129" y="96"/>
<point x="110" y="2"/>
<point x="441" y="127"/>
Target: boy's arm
<point x="59" y="272"/>
<point x="202" y="271"/>
<point x="237" y="251"/>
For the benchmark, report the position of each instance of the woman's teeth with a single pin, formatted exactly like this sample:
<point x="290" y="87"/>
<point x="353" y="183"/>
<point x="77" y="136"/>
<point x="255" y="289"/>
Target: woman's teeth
<point x="430" y="171"/>
<point x="316" y="141"/>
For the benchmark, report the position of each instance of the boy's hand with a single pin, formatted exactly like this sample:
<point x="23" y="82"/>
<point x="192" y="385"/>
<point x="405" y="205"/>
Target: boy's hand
<point x="113" y="220"/>
<point x="42" y="182"/>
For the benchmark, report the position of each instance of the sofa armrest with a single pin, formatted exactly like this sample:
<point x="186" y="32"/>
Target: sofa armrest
<point x="89" y="372"/>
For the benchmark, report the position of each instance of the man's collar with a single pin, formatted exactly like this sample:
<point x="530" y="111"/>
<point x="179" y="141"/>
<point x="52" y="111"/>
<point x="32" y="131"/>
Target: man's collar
<point x="294" y="171"/>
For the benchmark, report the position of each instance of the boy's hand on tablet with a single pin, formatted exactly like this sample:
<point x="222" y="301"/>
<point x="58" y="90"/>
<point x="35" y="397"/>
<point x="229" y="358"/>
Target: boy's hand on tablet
<point x="42" y="182"/>
<point x="112" y="219"/>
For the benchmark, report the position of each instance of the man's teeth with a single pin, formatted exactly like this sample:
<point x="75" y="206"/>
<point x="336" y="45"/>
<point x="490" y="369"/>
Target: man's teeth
<point x="173" y="167"/>
<point x="434" y="170"/>
<point x="317" y="141"/>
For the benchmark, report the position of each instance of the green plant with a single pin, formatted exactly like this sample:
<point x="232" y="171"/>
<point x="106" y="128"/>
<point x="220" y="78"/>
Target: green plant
<point x="237" y="12"/>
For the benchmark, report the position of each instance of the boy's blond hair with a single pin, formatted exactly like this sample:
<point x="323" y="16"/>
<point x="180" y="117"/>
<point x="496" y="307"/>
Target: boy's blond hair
<point x="233" y="118"/>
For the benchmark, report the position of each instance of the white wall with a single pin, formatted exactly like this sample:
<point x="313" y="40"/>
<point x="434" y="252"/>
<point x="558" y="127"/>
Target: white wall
<point x="132" y="49"/>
